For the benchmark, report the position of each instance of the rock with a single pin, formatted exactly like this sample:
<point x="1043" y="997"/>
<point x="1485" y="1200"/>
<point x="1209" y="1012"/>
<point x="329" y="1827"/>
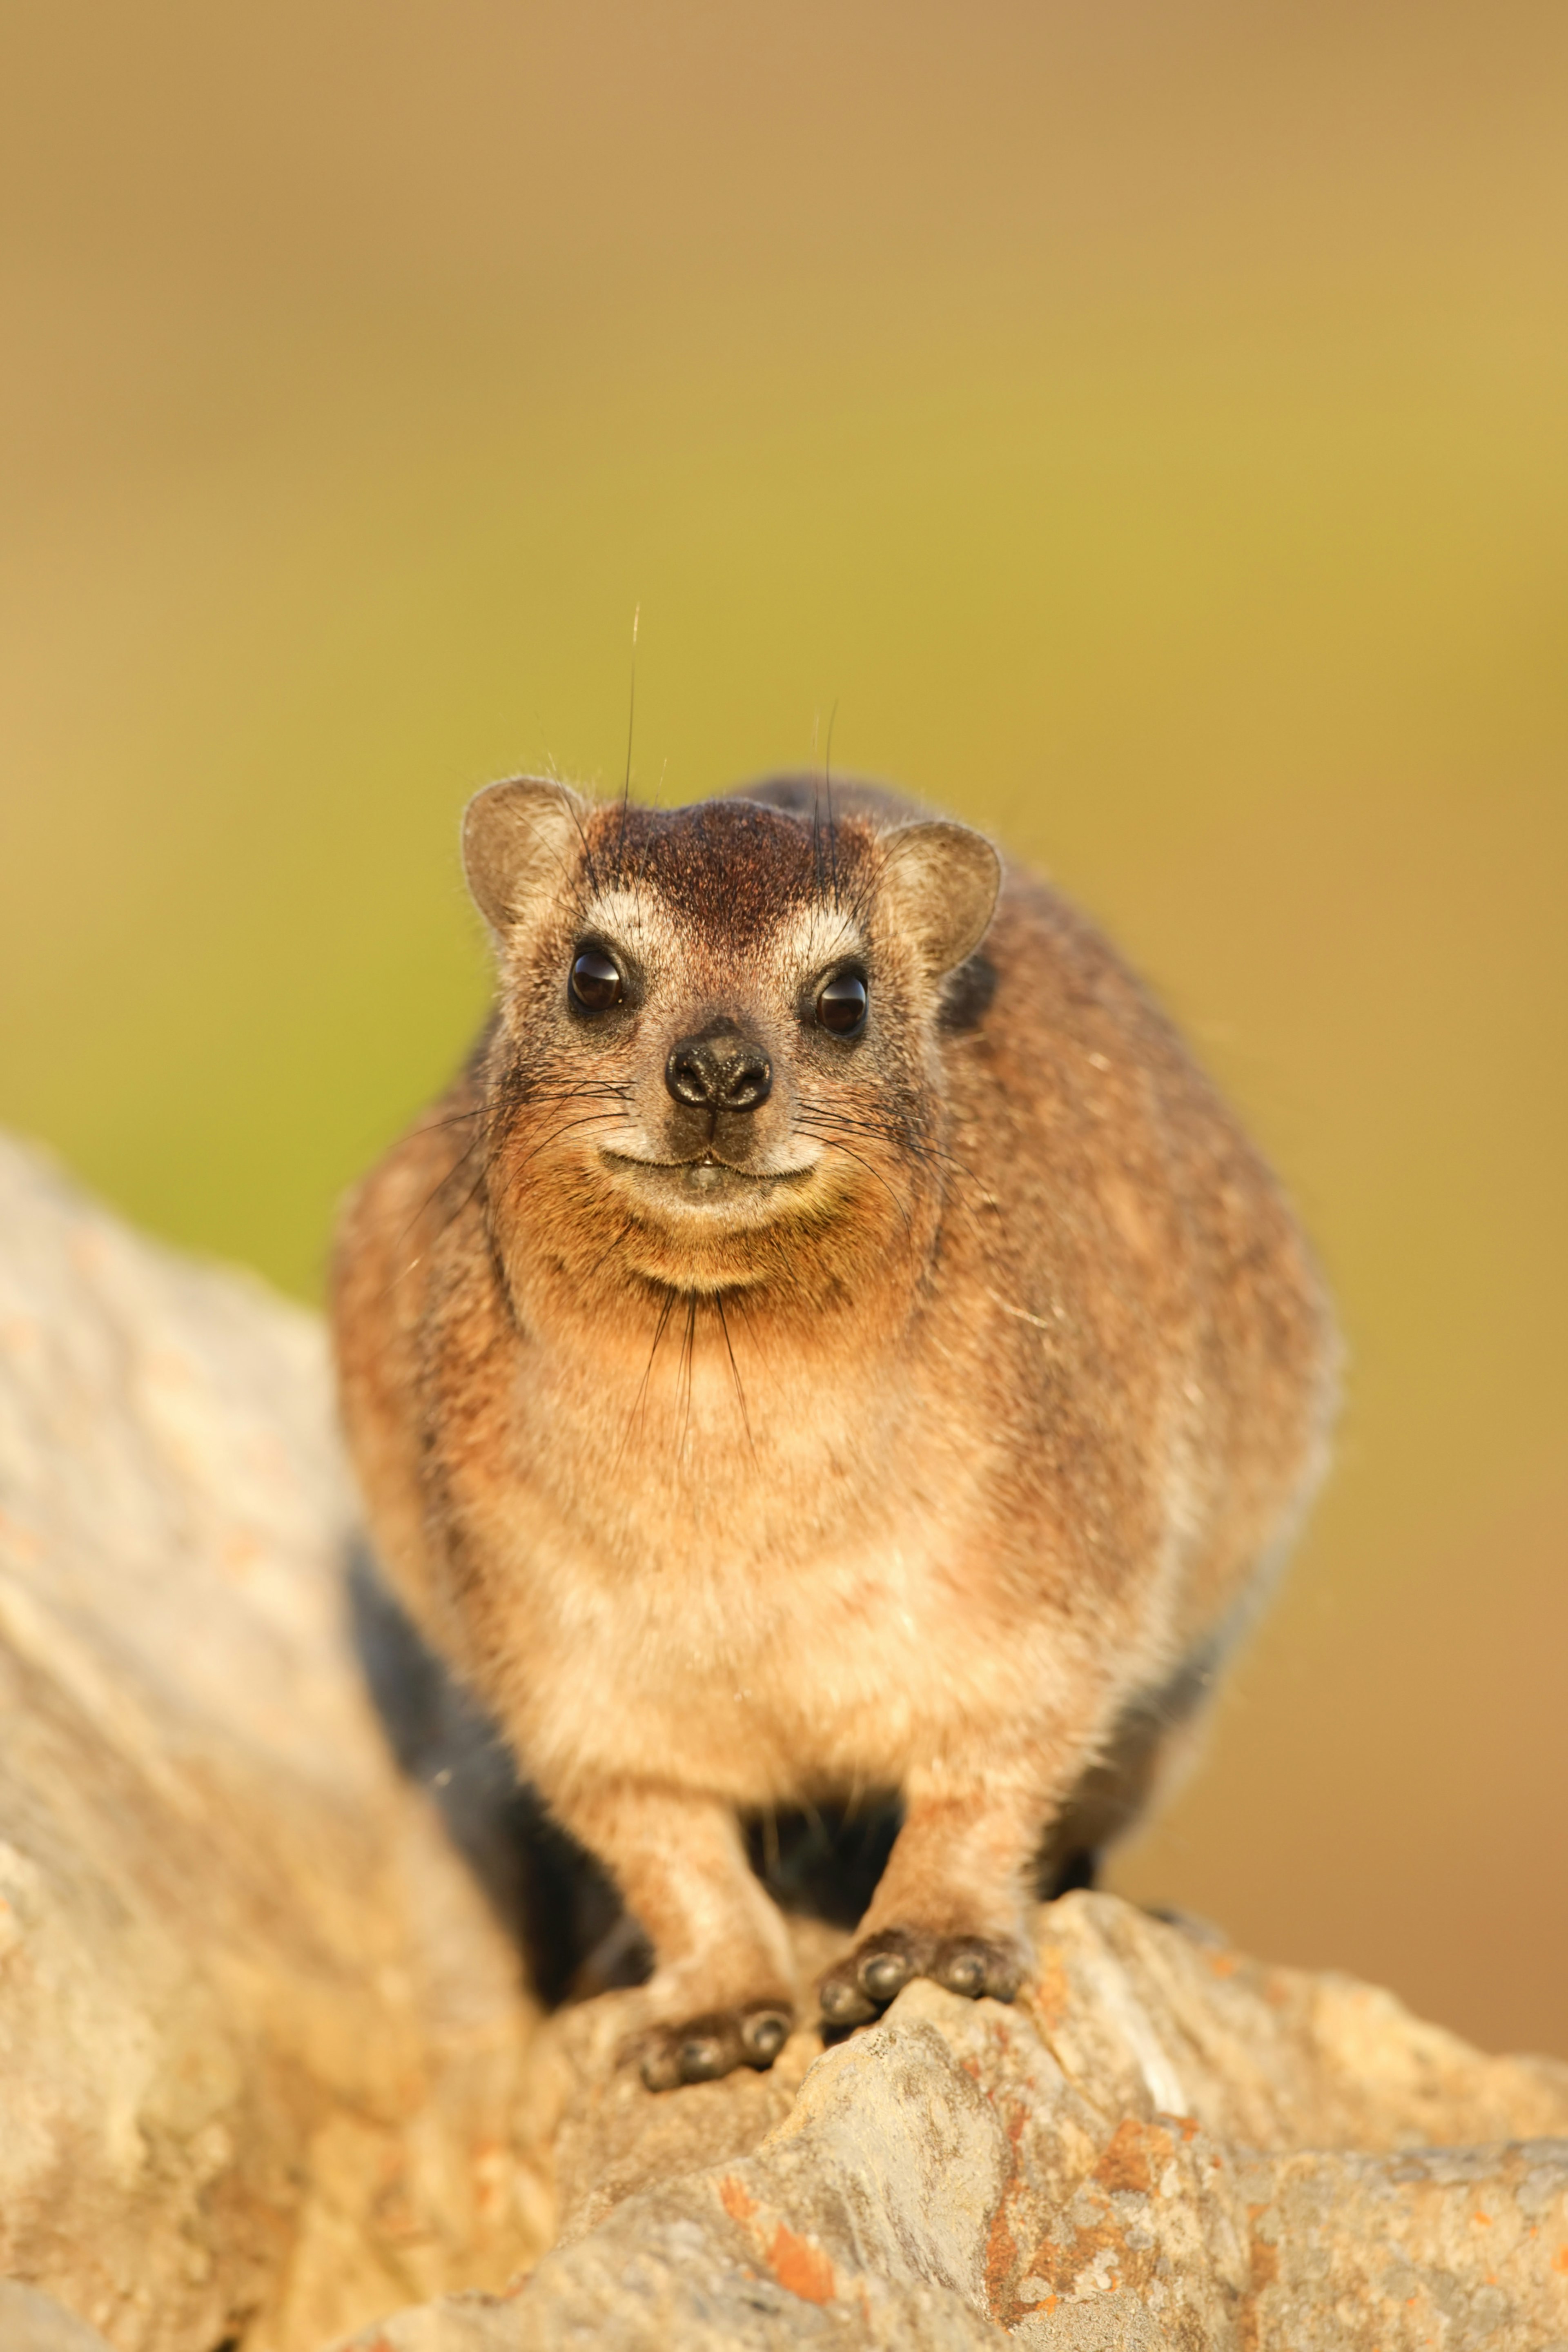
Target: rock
<point x="1165" y="2144"/>
<point x="267" y="2068"/>
<point x="31" y="2322"/>
<point x="260" y="2034"/>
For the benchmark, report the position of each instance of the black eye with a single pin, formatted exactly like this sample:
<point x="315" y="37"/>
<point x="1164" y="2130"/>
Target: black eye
<point x="841" y="1004"/>
<point x="596" y="980"/>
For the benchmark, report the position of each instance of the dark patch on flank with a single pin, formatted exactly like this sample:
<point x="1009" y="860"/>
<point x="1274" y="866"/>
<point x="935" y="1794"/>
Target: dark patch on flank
<point x="966" y="998"/>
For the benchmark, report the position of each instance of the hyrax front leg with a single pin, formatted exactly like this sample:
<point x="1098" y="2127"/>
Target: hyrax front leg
<point x="953" y="1903"/>
<point x="721" y="1994"/>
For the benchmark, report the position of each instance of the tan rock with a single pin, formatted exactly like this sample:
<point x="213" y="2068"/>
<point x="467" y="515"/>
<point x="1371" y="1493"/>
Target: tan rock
<point x="259" y="2036"/>
<point x="1166" y="2144"/>
<point x="31" y="2322"/>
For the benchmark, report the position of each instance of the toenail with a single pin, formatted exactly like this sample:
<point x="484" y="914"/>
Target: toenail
<point x="884" y="1974"/>
<point x="766" y="2036"/>
<point x="844" y="2004"/>
<point x="660" y="2070"/>
<point x="701" y="2058"/>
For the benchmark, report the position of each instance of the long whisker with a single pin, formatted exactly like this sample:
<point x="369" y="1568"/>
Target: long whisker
<point x="885" y="1130"/>
<point x="428" y="1202"/>
<point x="827" y="786"/>
<point x="688" y="1357"/>
<point x="637" y="1402"/>
<point x="565" y="1127"/>
<point x="588" y="851"/>
<point x="435" y="1125"/>
<point x="839" y="1145"/>
<point x="464" y="1205"/>
<point x="734" y="1371"/>
<point x="631" y="721"/>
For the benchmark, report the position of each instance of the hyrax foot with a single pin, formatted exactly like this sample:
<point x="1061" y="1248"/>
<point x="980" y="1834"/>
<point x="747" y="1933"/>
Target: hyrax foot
<point x="867" y="1979"/>
<point x="702" y="2048"/>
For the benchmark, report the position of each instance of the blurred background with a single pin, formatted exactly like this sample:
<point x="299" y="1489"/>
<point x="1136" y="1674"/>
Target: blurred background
<point x="1144" y="424"/>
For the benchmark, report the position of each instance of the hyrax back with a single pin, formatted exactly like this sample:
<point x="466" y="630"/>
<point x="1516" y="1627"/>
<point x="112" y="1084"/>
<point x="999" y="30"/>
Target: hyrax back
<point x="831" y="1339"/>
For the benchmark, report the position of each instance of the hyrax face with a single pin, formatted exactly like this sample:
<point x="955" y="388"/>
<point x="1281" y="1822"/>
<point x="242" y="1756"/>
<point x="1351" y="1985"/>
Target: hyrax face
<point x="717" y="1023"/>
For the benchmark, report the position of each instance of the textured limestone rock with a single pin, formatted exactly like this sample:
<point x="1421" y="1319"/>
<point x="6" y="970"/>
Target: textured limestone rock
<point x="31" y="2322"/>
<point x="259" y="2034"/>
<point x="1166" y="2144"/>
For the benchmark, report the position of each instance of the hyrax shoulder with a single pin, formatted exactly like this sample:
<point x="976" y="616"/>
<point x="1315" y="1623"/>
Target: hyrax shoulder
<point x="831" y="1339"/>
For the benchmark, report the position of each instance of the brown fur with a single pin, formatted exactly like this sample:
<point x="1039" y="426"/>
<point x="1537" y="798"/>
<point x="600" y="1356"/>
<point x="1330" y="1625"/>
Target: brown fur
<point x="949" y="1461"/>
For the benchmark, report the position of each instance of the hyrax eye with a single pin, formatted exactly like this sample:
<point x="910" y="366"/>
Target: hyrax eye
<point x="841" y="1004"/>
<point x="596" y="982"/>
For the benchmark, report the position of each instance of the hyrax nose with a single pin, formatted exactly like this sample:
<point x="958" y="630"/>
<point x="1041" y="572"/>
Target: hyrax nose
<point x="719" y="1069"/>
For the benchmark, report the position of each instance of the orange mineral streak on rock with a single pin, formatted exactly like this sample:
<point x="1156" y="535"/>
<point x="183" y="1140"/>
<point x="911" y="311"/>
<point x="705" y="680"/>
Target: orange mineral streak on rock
<point x="732" y="2195"/>
<point x="1062" y="2265"/>
<point x="1125" y="2163"/>
<point x="800" y="2266"/>
<point x="1001" y="2266"/>
<point x="1264" y="2260"/>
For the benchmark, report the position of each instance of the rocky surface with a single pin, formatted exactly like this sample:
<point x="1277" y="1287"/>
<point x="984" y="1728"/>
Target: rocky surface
<point x="260" y="2036"/>
<point x="267" y="2068"/>
<point x="1165" y="2144"/>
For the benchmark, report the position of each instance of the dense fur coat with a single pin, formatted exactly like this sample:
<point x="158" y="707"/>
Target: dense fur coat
<point x="831" y="1341"/>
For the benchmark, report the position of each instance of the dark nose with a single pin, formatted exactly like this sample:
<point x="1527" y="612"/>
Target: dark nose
<point x="719" y="1070"/>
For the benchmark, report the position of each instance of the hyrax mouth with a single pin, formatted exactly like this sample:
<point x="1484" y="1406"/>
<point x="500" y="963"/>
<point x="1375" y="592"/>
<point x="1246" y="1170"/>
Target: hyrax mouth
<point x="705" y="1183"/>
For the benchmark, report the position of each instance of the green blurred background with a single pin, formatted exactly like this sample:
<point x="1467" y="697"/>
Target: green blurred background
<point x="1145" y="425"/>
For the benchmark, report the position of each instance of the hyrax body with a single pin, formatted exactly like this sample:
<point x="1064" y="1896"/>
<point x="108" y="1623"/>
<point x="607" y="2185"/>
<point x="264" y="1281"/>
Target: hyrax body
<point x="830" y="1341"/>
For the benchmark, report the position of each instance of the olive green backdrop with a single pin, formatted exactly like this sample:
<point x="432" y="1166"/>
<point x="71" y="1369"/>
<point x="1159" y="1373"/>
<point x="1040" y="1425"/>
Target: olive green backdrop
<point x="1144" y="425"/>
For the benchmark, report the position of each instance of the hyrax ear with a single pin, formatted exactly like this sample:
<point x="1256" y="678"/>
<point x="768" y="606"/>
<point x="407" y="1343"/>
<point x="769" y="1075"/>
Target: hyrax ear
<point x="522" y="839"/>
<point x="940" y="882"/>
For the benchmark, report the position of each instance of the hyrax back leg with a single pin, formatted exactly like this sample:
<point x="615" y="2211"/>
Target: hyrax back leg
<point x="721" y="1994"/>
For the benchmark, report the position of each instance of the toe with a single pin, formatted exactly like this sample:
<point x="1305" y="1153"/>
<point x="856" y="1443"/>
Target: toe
<point x="962" y="1972"/>
<point x="659" y="2063"/>
<point x="872" y="1976"/>
<point x="971" y="1966"/>
<point x="884" y="1964"/>
<point x="705" y="2053"/>
<point x="884" y="1974"/>
<point x="842" y="2001"/>
<point x="704" y="2048"/>
<point x="764" y="2032"/>
<point x="862" y="1985"/>
<point x="698" y="2052"/>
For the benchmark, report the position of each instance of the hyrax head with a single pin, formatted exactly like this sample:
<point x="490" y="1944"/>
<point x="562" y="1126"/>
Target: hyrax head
<point x="714" y="1061"/>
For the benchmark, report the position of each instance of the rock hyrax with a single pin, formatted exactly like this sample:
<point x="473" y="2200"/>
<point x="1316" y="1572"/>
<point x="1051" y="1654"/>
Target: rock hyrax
<point x="831" y="1339"/>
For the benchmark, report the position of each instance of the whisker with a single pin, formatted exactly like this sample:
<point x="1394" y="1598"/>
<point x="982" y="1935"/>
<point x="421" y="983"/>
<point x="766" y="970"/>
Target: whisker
<point x="839" y="1145"/>
<point x="917" y="1148"/>
<point x="435" y="1125"/>
<point x="567" y="1127"/>
<point x="465" y="1205"/>
<point x="734" y="1371"/>
<point x="631" y="721"/>
<point x="827" y="786"/>
<point x="587" y="850"/>
<point x="430" y="1199"/>
<point x="688" y="1357"/>
<point x="638" y="1401"/>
